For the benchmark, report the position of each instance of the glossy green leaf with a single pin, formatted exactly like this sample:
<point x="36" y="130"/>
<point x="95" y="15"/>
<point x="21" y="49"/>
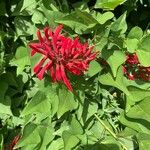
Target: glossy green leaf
<point x="145" y="43"/>
<point x="27" y="3"/>
<point x="39" y="103"/>
<point x="88" y="110"/>
<point x="24" y="27"/>
<point x="30" y="136"/>
<point x="115" y="60"/>
<point x="143" y="140"/>
<point x="94" y="68"/>
<point x="38" y="17"/>
<point x="56" y="144"/>
<point x="75" y="127"/>
<point x="131" y="45"/>
<point x="66" y="102"/>
<point x="108" y="79"/>
<point x="70" y="140"/>
<point x="102" y="18"/>
<point x="135" y="33"/>
<point x="120" y="24"/>
<point x="138" y="94"/>
<point x="52" y="15"/>
<point x="144" y="57"/>
<point x="46" y="133"/>
<point x="108" y="4"/>
<point x="21" y="59"/>
<point x="138" y="117"/>
<point x="79" y="21"/>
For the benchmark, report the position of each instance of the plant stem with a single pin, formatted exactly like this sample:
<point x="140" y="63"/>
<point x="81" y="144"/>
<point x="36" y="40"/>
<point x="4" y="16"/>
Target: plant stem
<point x="113" y="134"/>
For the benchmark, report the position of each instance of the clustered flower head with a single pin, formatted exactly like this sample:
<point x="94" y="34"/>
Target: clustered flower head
<point x="61" y="54"/>
<point x="134" y="70"/>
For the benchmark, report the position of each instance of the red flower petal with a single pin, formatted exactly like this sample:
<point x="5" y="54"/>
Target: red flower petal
<point x="34" y="47"/>
<point x="41" y="73"/>
<point x="58" y="73"/>
<point x="66" y="81"/>
<point x="39" y="65"/>
<point x="39" y="36"/>
<point x="52" y="72"/>
<point x="57" y="30"/>
<point x="33" y="52"/>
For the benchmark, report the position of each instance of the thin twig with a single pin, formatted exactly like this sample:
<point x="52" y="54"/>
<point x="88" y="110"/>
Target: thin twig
<point x="113" y="134"/>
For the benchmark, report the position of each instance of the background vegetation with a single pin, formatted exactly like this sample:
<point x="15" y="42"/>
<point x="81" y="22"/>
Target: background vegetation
<point x="106" y="110"/>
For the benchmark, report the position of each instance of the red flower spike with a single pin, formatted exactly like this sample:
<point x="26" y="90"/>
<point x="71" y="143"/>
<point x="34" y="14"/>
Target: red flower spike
<point x="134" y="70"/>
<point x="61" y="55"/>
<point x="132" y="59"/>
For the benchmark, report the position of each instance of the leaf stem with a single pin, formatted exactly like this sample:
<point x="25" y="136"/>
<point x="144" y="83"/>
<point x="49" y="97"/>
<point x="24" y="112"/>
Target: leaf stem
<point x="113" y="134"/>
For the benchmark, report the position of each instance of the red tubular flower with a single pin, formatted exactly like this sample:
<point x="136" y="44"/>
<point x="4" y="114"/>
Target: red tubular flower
<point x="132" y="59"/>
<point x="134" y="70"/>
<point x="14" y="142"/>
<point x="61" y="54"/>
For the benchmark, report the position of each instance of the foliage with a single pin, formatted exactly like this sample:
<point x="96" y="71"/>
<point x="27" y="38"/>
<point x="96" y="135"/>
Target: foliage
<point x="106" y="110"/>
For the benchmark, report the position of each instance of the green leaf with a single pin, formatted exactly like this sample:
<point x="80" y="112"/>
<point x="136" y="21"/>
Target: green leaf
<point x="46" y="133"/>
<point x="143" y="57"/>
<point x="107" y="79"/>
<point x="106" y="144"/>
<point x="5" y="101"/>
<point x="56" y="144"/>
<point x="5" y="106"/>
<point x="97" y="130"/>
<point x="143" y="140"/>
<point x="94" y="68"/>
<point x="108" y="4"/>
<point x="138" y="94"/>
<point x="86" y="17"/>
<point x="54" y="104"/>
<point x="138" y="117"/>
<point x="70" y="141"/>
<point x="25" y="8"/>
<point x="39" y="103"/>
<point x="38" y="17"/>
<point x="88" y="109"/>
<point x="120" y="24"/>
<point x="27" y="3"/>
<point x="135" y="33"/>
<point x="139" y="84"/>
<point x="49" y="5"/>
<point x="102" y="39"/>
<point x="102" y="18"/>
<point x="79" y="21"/>
<point x="9" y="78"/>
<point x="66" y="102"/>
<point x="131" y="44"/>
<point x="75" y="127"/>
<point x="52" y="15"/>
<point x="145" y="43"/>
<point x="45" y="86"/>
<point x="24" y="27"/>
<point x="115" y="60"/>
<point x="30" y="137"/>
<point x="21" y="59"/>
